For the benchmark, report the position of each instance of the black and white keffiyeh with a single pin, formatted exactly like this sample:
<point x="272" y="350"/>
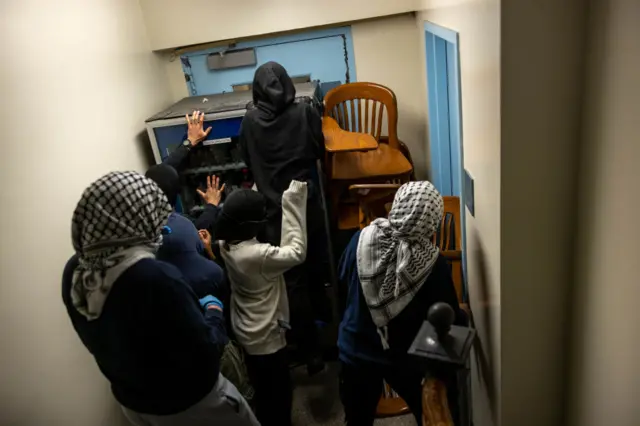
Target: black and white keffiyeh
<point x="396" y="255"/>
<point x="117" y="222"/>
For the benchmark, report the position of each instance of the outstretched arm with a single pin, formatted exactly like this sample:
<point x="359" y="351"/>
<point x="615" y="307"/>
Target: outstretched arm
<point x="211" y="197"/>
<point x="195" y="135"/>
<point x="293" y="241"/>
<point x="197" y="325"/>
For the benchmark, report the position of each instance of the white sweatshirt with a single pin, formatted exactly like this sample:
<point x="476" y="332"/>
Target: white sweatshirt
<point x="259" y="303"/>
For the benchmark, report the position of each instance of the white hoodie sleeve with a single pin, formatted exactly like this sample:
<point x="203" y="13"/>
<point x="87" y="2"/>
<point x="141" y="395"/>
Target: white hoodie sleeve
<point x="293" y="241"/>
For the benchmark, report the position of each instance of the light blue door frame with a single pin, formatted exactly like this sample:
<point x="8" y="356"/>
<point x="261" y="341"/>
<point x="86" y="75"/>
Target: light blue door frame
<point x="445" y="117"/>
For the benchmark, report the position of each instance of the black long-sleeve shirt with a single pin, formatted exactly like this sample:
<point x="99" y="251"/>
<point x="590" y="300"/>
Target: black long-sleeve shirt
<point x="153" y="341"/>
<point x="209" y="216"/>
<point x="281" y="140"/>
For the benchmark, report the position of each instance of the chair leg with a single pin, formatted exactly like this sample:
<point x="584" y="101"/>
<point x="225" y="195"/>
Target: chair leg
<point x="390" y="403"/>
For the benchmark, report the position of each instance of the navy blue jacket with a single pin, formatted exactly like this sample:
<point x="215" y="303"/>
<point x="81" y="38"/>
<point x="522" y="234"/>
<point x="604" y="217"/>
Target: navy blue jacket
<point x="358" y="339"/>
<point x="153" y="341"/>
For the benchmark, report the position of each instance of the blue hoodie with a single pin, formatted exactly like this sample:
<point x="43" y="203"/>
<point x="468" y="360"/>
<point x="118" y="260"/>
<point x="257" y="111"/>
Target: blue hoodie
<point x="181" y="246"/>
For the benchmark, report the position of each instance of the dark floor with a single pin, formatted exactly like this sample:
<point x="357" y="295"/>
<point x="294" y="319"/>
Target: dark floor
<point x="316" y="401"/>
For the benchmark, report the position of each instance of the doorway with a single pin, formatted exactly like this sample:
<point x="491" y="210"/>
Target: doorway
<point x="445" y="118"/>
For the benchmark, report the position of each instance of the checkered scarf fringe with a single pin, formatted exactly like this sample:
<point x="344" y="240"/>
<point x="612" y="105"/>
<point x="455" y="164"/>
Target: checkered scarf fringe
<point x="117" y="222"/>
<point x="395" y="255"/>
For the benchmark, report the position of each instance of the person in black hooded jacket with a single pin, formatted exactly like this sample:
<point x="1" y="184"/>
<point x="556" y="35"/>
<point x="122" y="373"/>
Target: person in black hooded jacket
<point x="281" y="140"/>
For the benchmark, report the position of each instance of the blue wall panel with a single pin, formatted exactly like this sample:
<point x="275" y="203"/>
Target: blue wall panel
<point x="318" y="53"/>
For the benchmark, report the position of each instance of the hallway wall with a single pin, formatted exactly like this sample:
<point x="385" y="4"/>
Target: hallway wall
<point x="606" y="373"/>
<point x="387" y="52"/>
<point x="171" y="23"/>
<point x="541" y="101"/>
<point x="77" y="81"/>
<point x="478" y="24"/>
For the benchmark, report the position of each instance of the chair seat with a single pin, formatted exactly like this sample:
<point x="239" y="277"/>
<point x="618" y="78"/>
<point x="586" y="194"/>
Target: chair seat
<point x="384" y="161"/>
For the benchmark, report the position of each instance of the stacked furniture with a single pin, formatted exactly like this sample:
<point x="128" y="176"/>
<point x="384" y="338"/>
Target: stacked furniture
<point x="357" y="152"/>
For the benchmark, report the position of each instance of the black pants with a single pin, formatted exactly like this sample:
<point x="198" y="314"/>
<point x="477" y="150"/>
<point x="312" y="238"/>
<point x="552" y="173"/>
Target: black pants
<point x="269" y="375"/>
<point x="361" y="387"/>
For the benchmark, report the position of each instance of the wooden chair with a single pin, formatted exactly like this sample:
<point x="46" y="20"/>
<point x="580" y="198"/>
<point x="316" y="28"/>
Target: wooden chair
<point x="360" y="108"/>
<point x="374" y="200"/>
<point x="448" y="238"/>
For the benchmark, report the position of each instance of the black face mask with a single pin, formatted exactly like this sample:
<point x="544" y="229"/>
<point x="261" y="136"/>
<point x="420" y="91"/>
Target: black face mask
<point x="235" y="231"/>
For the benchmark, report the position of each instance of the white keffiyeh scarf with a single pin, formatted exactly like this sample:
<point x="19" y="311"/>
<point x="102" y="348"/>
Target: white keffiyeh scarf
<point x="395" y="256"/>
<point x="117" y="222"/>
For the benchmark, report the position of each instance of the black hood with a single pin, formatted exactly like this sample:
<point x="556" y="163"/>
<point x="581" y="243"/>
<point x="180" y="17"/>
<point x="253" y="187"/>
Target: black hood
<point x="167" y="179"/>
<point x="273" y="90"/>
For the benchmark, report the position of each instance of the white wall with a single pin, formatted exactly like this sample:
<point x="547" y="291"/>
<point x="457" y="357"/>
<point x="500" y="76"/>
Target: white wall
<point x="77" y="81"/>
<point x="541" y="99"/>
<point x="174" y="23"/>
<point x="606" y="378"/>
<point x="386" y="52"/>
<point x="478" y="24"/>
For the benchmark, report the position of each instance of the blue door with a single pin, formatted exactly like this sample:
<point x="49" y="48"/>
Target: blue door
<point x="445" y="122"/>
<point x="443" y="83"/>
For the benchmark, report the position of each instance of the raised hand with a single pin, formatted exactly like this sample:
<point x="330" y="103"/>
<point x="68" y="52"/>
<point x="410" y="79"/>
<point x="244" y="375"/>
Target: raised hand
<point x="213" y="193"/>
<point x="195" y="131"/>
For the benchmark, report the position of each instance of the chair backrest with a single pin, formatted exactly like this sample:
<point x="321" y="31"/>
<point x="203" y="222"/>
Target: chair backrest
<point x="373" y="200"/>
<point x="360" y="107"/>
<point x="449" y="241"/>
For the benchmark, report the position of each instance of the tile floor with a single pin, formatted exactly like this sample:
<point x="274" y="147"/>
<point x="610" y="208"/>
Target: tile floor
<point x="316" y="401"/>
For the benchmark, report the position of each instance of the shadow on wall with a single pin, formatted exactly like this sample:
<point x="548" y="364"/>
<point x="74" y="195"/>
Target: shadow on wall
<point x="485" y="358"/>
<point x="411" y="132"/>
<point x="143" y="145"/>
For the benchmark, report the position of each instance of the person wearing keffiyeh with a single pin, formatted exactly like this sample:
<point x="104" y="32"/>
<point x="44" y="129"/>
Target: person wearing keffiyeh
<point x="393" y="274"/>
<point x="153" y="339"/>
